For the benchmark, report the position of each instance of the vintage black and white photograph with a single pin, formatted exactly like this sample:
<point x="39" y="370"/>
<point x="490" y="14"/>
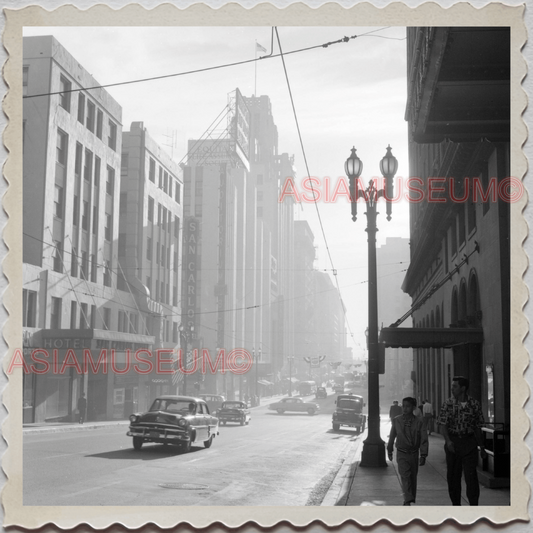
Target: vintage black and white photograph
<point x="268" y="265"/>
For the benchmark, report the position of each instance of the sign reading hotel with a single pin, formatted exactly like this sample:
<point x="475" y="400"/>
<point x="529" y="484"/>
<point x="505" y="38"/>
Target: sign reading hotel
<point x="190" y="269"/>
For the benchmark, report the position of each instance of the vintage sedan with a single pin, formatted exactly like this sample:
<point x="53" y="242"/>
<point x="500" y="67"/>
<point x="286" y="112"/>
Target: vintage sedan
<point x="180" y="420"/>
<point x="321" y="393"/>
<point x="295" y="404"/>
<point x="234" y="411"/>
<point x="349" y="412"/>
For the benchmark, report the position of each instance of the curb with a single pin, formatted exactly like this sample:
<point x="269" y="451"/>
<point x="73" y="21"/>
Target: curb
<point x="339" y="490"/>
<point x="73" y="427"/>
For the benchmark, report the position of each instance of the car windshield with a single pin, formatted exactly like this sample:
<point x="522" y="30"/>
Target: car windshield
<point x="182" y="407"/>
<point x="349" y="403"/>
<point x="232" y="405"/>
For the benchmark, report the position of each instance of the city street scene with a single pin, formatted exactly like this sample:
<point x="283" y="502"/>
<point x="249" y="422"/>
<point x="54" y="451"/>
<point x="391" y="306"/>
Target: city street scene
<point x="266" y="266"/>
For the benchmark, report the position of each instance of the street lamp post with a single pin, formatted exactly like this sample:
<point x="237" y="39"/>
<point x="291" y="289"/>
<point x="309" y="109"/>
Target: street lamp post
<point x="373" y="453"/>
<point x="186" y="336"/>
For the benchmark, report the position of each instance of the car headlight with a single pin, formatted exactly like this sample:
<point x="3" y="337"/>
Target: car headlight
<point x="182" y="422"/>
<point x="134" y="418"/>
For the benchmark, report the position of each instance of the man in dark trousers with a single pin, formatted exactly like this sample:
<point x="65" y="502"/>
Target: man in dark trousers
<point x="410" y="434"/>
<point x="395" y="410"/>
<point x="461" y="419"/>
<point x="82" y="408"/>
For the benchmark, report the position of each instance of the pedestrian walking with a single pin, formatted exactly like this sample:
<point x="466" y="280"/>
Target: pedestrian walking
<point x="82" y="408"/>
<point x="411" y="438"/>
<point x="427" y="412"/>
<point x="395" y="410"/>
<point x="416" y="411"/>
<point x="461" y="419"/>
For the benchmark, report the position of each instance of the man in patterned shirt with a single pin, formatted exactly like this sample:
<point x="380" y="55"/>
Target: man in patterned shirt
<point x="460" y="419"/>
<point x="411" y="438"/>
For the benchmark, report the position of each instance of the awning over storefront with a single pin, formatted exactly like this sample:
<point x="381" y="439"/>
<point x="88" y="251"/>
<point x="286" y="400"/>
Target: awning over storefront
<point x="264" y="382"/>
<point x="429" y="337"/>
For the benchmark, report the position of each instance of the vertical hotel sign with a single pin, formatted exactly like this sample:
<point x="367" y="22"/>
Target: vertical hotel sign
<point x="190" y="269"/>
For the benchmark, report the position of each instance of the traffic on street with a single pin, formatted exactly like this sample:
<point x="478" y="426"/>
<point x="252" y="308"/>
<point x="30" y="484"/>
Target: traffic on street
<point x="287" y="458"/>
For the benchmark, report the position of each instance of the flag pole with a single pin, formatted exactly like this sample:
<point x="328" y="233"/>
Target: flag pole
<point x="255" y="63"/>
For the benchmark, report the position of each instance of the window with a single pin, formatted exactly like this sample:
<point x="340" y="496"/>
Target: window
<point x="95" y="219"/>
<point x="259" y="196"/>
<point x="151" y="173"/>
<point x="122" y="321"/>
<point x="108" y="227"/>
<point x="107" y="318"/>
<point x="58" y="257"/>
<point x="64" y="95"/>
<point x="175" y="296"/>
<point x="110" y="183"/>
<point x="149" y="250"/>
<point x="150" y="209"/>
<point x="55" y="315"/>
<point x="159" y="210"/>
<point x="29" y="308"/>
<point x="97" y="164"/>
<point x="176" y="261"/>
<point x="93" y="269"/>
<point x="84" y="322"/>
<point x="58" y="201"/>
<point x="91" y="112"/>
<point x="85" y="216"/>
<point x="163" y="220"/>
<point x="157" y="254"/>
<point x="160" y="177"/>
<point x="123" y="202"/>
<point x="88" y="168"/>
<point x="259" y="179"/>
<point x="165" y="181"/>
<point x="73" y="314"/>
<point x="76" y="210"/>
<point x="168" y="258"/>
<point x="93" y="316"/>
<point x="174" y="332"/>
<point x="79" y="155"/>
<point x="74" y="263"/>
<point x="99" y="123"/>
<point x="84" y="265"/>
<point x="170" y="186"/>
<point x="177" y="192"/>
<point x="61" y="155"/>
<point x="162" y="291"/>
<point x="112" y="138"/>
<point x="107" y="274"/>
<point x="124" y="161"/>
<point x="81" y="108"/>
<point x="134" y="322"/>
<point x="25" y="72"/>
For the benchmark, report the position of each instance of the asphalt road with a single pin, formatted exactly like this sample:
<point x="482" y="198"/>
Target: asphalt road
<point x="288" y="459"/>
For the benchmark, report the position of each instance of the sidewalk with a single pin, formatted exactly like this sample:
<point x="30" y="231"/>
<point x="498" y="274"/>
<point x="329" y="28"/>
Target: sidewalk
<point x="356" y="485"/>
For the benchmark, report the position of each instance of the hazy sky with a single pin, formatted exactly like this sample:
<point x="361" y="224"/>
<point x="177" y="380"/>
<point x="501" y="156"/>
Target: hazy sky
<point x="348" y="94"/>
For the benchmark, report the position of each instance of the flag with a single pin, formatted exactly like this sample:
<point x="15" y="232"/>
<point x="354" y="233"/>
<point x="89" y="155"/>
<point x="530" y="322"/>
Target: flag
<point x="259" y="48"/>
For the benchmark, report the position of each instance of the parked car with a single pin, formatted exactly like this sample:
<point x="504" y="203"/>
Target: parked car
<point x="338" y="388"/>
<point x="214" y="401"/>
<point x="295" y="404"/>
<point x="234" y="411"/>
<point x="180" y="420"/>
<point x="349" y="412"/>
<point x="321" y="393"/>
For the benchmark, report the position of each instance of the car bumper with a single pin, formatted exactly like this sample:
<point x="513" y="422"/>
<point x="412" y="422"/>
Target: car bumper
<point x="231" y="418"/>
<point x="159" y="435"/>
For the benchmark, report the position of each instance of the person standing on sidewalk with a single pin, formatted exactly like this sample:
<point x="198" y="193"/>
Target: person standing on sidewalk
<point x="394" y="410"/>
<point x="460" y="419"/>
<point x="411" y="440"/>
<point x="427" y="411"/>
<point x="82" y="408"/>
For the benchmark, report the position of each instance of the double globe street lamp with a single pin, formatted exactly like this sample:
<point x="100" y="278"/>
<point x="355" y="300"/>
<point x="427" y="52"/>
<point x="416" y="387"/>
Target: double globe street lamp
<point x="373" y="454"/>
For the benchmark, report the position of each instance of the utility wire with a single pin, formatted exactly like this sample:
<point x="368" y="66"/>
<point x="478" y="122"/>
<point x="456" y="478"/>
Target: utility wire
<point x="207" y="69"/>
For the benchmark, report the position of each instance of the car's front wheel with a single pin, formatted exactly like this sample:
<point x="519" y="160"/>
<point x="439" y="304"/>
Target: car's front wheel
<point x="311" y="411"/>
<point x="138" y="442"/>
<point x="280" y="411"/>
<point x="207" y="443"/>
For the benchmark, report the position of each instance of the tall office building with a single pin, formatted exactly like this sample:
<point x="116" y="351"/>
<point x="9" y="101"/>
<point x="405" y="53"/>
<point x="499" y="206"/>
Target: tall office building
<point x="71" y="182"/>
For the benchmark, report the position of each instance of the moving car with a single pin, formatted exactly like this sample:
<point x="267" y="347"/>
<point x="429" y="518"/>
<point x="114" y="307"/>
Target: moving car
<point x="338" y="388"/>
<point x="295" y="404"/>
<point x="349" y="412"/>
<point x="321" y="393"/>
<point x="234" y="411"/>
<point x="213" y="401"/>
<point x="180" y="420"/>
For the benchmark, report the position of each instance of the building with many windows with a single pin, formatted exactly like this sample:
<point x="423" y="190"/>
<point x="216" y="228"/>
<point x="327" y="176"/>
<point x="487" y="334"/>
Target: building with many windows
<point x="72" y="141"/>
